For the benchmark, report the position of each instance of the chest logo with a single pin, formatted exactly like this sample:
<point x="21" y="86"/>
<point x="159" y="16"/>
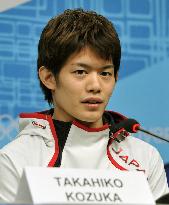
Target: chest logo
<point x="130" y="162"/>
<point x="38" y="125"/>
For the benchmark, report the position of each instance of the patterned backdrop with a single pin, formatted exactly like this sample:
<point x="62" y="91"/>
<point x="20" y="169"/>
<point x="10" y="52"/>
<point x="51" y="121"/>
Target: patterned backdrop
<point x="142" y="91"/>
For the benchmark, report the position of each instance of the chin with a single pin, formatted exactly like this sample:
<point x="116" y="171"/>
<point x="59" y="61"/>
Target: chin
<point x="91" y="117"/>
<point x="89" y="120"/>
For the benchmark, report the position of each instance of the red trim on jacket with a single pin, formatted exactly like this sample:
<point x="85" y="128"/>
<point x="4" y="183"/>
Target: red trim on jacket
<point x="52" y="127"/>
<point x="33" y="115"/>
<point x="55" y="156"/>
<point x="89" y="129"/>
<point x="112" y="160"/>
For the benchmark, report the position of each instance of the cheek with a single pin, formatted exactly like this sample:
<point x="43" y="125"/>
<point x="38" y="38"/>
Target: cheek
<point x="72" y="92"/>
<point x="109" y="89"/>
<point x="72" y="88"/>
<point x="68" y="95"/>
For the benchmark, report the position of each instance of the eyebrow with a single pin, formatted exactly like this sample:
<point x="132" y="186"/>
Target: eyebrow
<point x="89" y="66"/>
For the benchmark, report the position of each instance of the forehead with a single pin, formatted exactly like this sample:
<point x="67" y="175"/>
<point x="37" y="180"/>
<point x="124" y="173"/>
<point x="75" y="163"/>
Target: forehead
<point x="87" y="56"/>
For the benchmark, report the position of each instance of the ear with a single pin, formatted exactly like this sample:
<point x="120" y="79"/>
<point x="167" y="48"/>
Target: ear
<point x="47" y="78"/>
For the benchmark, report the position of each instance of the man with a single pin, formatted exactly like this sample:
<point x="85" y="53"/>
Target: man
<point x="78" y="61"/>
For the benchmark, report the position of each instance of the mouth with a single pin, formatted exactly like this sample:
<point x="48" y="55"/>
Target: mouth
<point x="92" y="101"/>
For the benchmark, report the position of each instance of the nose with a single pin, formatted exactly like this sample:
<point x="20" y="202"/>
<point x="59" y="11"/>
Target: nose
<point x="93" y="83"/>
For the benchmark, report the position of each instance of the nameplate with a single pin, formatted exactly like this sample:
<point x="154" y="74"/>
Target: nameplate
<point x="77" y="186"/>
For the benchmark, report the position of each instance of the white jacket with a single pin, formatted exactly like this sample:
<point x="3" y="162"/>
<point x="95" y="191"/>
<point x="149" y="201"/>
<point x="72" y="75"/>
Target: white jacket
<point x="37" y="145"/>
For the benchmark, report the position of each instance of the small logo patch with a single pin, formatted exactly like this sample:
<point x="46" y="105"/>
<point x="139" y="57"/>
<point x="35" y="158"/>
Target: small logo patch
<point x="38" y="125"/>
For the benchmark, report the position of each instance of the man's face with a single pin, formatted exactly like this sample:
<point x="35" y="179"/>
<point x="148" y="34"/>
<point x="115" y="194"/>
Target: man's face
<point x="85" y="84"/>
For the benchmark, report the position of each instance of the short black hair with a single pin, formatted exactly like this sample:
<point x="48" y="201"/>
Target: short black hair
<point x="71" y="31"/>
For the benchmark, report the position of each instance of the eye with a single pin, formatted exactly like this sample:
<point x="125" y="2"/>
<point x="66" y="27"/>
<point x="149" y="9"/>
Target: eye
<point x="80" y="72"/>
<point x="106" y="74"/>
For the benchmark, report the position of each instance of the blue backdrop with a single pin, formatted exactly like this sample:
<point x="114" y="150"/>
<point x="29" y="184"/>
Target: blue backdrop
<point x="142" y="91"/>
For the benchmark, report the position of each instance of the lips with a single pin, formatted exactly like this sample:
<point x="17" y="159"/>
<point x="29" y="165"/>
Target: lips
<point x="92" y="100"/>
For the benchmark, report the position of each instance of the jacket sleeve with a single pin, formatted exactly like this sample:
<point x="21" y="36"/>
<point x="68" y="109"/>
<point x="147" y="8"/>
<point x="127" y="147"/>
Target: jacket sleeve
<point x="157" y="177"/>
<point x="9" y="179"/>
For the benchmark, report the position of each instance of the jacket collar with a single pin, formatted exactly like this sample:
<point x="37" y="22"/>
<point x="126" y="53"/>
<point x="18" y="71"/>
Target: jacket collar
<point x="41" y="123"/>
